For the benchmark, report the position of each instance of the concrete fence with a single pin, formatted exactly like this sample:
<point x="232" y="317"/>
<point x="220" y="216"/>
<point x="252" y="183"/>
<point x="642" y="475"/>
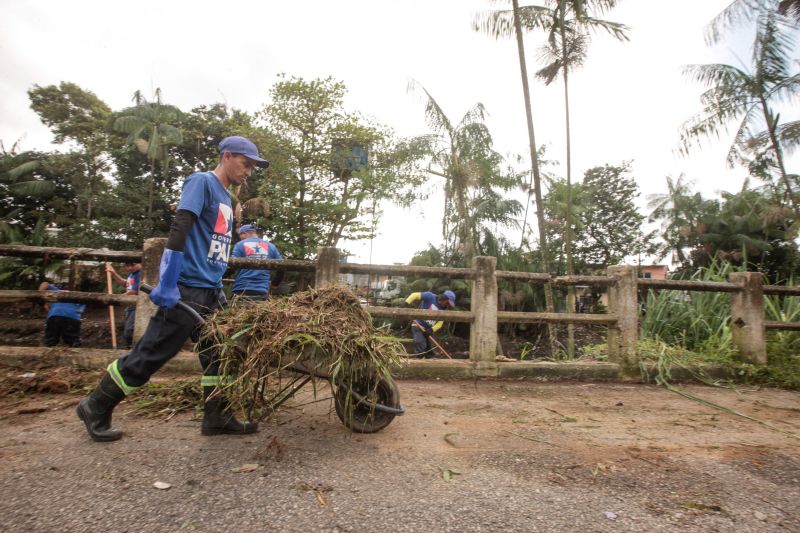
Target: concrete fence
<point x="622" y="283"/>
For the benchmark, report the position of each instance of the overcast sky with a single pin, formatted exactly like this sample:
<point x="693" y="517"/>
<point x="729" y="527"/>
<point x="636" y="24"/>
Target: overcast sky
<point x="627" y="102"/>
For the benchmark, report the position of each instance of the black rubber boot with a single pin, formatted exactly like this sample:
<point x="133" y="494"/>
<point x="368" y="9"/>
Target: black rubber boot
<point x="95" y="410"/>
<point x="218" y="418"/>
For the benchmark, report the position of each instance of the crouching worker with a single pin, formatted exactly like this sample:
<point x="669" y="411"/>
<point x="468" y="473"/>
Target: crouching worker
<point x="195" y="258"/>
<point x="63" y="320"/>
<point x="423" y="329"/>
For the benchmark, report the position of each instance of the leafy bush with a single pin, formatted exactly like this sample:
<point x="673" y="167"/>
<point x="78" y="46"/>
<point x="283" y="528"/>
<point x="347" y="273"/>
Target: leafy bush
<point x="697" y="321"/>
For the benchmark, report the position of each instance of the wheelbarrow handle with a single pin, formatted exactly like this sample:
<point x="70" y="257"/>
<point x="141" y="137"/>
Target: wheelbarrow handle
<point x="147" y="289"/>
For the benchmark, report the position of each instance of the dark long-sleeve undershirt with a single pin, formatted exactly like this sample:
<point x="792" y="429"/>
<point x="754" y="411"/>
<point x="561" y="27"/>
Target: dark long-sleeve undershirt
<point x="179" y="230"/>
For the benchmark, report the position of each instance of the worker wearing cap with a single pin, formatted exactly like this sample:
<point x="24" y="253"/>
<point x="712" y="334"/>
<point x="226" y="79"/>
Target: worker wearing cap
<point x="254" y="284"/>
<point x="192" y="265"/>
<point x="423" y="329"/>
<point x="131" y="284"/>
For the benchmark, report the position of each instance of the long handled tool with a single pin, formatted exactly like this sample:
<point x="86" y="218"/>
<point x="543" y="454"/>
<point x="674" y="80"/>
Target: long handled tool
<point x="111" y="309"/>
<point x="434" y="341"/>
<point x="199" y="320"/>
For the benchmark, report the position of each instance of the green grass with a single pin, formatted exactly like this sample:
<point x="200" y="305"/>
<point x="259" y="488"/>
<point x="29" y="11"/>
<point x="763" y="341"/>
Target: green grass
<point x="657" y="358"/>
<point x="682" y="328"/>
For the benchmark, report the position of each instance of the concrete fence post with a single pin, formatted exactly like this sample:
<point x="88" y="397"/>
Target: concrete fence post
<point x="623" y="302"/>
<point x="483" y="330"/>
<point x="327" y="267"/>
<point x="747" y="317"/>
<point x="151" y="262"/>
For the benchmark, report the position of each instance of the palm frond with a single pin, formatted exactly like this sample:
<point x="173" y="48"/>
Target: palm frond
<point x="130" y="124"/>
<point x="788" y="136"/>
<point x="790" y="9"/>
<point x="773" y="47"/>
<point x="736" y="12"/>
<point x="614" y="29"/>
<point x="170" y="134"/>
<point x="33" y="188"/>
<point x="22" y="169"/>
<point x="434" y="114"/>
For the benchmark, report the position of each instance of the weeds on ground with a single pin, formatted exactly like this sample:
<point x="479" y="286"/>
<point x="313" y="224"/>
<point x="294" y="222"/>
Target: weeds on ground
<point x="165" y="400"/>
<point x="659" y="358"/>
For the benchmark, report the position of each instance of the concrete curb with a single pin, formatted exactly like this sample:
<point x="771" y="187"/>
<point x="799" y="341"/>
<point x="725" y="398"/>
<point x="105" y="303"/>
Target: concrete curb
<point x="187" y="362"/>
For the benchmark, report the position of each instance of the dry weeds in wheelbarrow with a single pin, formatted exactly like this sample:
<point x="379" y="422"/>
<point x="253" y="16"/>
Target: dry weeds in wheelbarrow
<point x="324" y="331"/>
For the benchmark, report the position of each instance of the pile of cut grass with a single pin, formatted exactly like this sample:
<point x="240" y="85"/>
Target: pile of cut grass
<point x="326" y="331"/>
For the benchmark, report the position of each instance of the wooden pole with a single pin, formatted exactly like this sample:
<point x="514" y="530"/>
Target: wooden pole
<point x="441" y="348"/>
<point x="111" y="309"/>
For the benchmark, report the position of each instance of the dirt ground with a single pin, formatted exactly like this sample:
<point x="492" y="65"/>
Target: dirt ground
<point x="467" y="456"/>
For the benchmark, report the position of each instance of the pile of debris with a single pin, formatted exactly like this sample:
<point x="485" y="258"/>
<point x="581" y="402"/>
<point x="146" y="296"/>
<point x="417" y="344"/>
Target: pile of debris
<point x="324" y="331"/>
<point x="45" y="376"/>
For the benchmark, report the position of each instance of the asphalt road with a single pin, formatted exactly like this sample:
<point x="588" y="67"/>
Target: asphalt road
<point x="468" y="456"/>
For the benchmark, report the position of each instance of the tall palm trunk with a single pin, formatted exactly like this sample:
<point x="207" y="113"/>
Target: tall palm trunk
<point x="465" y="233"/>
<point x="150" y="187"/>
<point x="776" y="146"/>
<point x="568" y="237"/>
<point x="537" y="183"/>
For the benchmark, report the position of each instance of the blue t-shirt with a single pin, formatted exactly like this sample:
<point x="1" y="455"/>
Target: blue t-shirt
<point x="132" y="284"/>
<point x="209" y="241"/>
<point x="430" y="302"/>
<point x="254" y="280"/>
<point x="64" y="309"/>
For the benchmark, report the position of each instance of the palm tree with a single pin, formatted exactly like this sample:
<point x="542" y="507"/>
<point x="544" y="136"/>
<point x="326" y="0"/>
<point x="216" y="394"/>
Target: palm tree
<point x="463" y="154"/>
<point x="568" y="24"/>
<point x="740" y="230"/>
<point x="733" y="93"/>
<point x="17" y="180"/>
<point x="150" y="128"/>
<point x="679" y="211"/>
<point x="499" y="23"/>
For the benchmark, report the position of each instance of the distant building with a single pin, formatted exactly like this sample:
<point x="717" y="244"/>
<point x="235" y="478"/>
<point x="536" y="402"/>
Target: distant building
<point x="369" y="285"/>
<point x="653" y="271"/>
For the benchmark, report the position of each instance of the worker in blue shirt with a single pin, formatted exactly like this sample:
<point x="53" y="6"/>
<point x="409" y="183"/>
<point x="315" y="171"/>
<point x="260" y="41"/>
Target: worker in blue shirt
<point x="192" y="265"/>
<point x="423" y="329"/>
<point x="254" y="284"/>
<point x="63" y="320"/>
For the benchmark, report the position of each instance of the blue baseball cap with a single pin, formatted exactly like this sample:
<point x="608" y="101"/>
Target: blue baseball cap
<point x="246" y="228"/>
<point x="450" y="295"/>
<point x="245" y="147"/>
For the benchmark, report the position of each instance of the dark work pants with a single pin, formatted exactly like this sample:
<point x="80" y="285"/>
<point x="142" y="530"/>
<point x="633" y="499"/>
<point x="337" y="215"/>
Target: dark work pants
<point x="167" y="331"/>
<point x="422" y="346"/>
<point x="249" y="296"/>
<point x="61" y="327"/>
<point x="130" y="323"/>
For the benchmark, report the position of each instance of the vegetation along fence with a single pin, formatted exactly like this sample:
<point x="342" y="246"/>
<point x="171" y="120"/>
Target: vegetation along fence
<point x="622" y="283"/>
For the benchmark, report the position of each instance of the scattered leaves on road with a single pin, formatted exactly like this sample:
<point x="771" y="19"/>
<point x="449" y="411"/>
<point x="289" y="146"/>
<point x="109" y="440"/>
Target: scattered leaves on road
<point x="447" y="474"/>
<point x="247" y="467"/>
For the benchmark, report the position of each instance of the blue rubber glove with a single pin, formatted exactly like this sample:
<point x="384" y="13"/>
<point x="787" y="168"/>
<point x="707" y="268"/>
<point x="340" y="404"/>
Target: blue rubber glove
<point x="166" y="293"/>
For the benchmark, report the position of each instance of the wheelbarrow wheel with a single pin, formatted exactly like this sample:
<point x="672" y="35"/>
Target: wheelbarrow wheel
<point x="365" y="418"/>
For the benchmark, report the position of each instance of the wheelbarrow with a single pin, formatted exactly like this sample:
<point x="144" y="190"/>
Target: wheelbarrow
<point x="363" y="407"/>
